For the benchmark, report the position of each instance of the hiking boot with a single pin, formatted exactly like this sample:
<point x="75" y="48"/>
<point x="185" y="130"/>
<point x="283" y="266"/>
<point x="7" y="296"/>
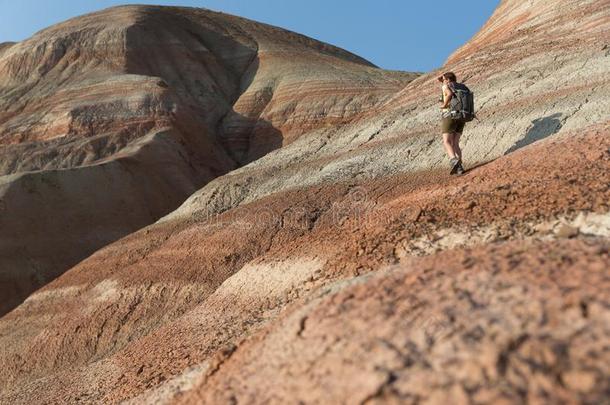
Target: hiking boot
<point x="454" y="163"/>
<point x="460" y="169"/>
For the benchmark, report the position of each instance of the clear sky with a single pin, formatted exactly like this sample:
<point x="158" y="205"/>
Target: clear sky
<point x="410" y="35"/>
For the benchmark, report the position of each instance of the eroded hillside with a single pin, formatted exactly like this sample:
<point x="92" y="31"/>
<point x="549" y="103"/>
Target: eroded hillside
<point x="111" y="120"/>
<point x="347" y="265"/>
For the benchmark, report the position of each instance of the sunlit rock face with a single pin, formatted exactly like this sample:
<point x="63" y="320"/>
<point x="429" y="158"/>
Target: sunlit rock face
<point x="340" y="262"/>
<point x="537" y="70"/>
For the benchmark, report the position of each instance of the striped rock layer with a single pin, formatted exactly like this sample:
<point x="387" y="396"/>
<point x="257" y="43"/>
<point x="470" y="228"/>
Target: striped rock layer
<point x="348" y="266"/>
<point x="111" y="120"/>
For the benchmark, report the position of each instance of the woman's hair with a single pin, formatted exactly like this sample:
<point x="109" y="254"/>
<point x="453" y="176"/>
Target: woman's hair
<point x="450" y="76"/>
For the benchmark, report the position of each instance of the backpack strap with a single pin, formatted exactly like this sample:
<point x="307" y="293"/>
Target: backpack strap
<point x="454" y="91"/>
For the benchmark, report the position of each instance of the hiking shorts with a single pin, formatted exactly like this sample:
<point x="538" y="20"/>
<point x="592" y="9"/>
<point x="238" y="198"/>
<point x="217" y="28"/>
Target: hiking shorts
<point x="449" y="125"/>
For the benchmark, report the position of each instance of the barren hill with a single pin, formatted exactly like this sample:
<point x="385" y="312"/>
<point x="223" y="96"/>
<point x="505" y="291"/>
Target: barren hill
<point x="111" y="120"/>
<point x="345" y="264"/>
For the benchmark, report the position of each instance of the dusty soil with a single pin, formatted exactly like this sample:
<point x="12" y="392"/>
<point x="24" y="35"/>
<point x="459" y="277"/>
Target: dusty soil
<point x="211" y="302"/>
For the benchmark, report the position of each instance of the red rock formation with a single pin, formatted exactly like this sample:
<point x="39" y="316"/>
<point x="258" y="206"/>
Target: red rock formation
<point x="294" y="278"/>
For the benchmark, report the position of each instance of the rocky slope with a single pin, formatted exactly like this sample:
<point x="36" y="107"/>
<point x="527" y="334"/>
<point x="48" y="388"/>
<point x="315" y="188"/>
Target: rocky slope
<point x="110" y="120"/>
<point x="297" y="276"/>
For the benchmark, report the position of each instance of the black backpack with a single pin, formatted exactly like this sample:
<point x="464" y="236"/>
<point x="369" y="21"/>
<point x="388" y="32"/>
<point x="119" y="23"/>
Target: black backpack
<point x="462" y="103"/>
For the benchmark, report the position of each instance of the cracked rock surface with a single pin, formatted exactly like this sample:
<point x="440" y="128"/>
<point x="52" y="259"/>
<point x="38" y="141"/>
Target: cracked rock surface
<point x="506" y="323"/>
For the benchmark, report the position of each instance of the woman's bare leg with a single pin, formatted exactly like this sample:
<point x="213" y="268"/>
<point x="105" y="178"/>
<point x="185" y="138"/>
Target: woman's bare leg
<point x="456" y="145"/>
<point x="448" y="143"/>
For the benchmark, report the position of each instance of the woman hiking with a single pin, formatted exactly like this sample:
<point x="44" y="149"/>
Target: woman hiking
<point x="451" y="126"/>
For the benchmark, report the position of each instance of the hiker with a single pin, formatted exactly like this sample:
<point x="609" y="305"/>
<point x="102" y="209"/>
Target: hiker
<point x="456" y="109"/>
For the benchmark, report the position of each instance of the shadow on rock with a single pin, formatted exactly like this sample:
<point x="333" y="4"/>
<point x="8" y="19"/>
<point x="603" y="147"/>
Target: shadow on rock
<point x="244" y="134"/>
<point x="247" y="139"/>
<point x="541" y="128"/>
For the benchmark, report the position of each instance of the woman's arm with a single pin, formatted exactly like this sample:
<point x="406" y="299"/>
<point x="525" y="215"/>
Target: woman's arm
<point x="447" y="93"/>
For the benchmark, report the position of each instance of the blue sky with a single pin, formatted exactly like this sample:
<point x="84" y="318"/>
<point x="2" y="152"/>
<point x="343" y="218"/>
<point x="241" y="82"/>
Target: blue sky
<point x="408" y="35"/>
